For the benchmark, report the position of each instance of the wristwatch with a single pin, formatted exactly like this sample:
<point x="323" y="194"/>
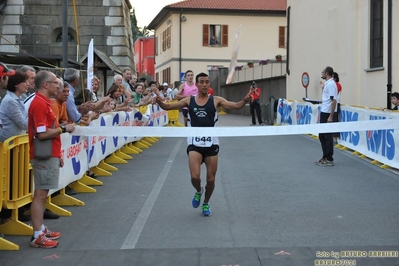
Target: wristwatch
<point x="63" y="128"/>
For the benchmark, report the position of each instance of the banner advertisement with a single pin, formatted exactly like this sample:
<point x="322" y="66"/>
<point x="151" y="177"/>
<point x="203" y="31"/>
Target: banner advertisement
<point x="79" y="155"/>
<point x="380" y="145"/>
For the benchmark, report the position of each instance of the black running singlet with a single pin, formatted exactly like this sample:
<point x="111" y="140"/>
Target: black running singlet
<point x="202" y="116"/>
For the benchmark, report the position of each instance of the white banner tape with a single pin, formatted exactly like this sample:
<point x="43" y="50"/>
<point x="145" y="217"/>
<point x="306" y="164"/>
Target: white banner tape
<point x="128" y="131"/>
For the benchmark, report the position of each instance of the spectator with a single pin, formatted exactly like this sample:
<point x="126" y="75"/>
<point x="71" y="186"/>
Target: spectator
<point x="80" y="99"/>
<point x="213" y="41"/>
<point x="95" y="86"/>
<point x="144" y="81"/>
<point x="12" y="110"/>
<point x="395" y="101"/>
<point x="42" y="124"/>
<point x="337" y="115"/>
<point x="138" y="96"/>
<point x="5" y="72"/>
<point x="31" y="73"/>
<point x="168" y="91"/>
<point x="328" y="108"/>
<point x="174" y="92"/>
<point x="72" y="76"/>
<point x="59" y="104"/>
<point x="126" y="77"/>
<point x="115" y="93"/>
<point x="133" y="81"/>
<point x="254" y="105"/>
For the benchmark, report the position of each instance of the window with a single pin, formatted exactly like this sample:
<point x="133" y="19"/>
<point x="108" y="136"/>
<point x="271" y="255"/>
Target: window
<point x="215" y="35"/>
<point x="376" y="33"/>
<point x="163" y="41"/>
<point x="281" y="37"/>
<point x="70" y="38"/>
<point x="166" y="38"/>
<point x="166" y="75"/>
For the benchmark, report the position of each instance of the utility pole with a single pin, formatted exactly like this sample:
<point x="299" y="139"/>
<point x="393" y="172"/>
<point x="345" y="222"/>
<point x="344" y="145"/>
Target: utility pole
<point x="65" y="33"/>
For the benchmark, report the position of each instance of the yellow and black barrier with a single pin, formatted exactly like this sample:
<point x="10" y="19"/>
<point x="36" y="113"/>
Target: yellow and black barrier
<point x="4" y="243"/>
<point x="17" y="183"/>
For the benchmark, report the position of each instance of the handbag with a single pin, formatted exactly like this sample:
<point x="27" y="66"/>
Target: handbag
<point x="43" y="149"/>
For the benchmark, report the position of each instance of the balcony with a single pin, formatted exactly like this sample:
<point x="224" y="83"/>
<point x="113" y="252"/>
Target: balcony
<point x="261" y="70"/>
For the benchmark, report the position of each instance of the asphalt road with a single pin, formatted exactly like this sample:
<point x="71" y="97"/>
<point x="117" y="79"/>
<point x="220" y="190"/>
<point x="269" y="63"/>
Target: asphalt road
<point x="271" y="206"/>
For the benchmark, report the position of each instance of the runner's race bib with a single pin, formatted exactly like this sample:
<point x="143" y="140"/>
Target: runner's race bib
<point x="203" y="141"/>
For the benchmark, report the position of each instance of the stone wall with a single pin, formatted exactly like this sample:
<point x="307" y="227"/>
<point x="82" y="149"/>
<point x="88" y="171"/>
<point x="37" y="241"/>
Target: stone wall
<point x="34" y="25"/>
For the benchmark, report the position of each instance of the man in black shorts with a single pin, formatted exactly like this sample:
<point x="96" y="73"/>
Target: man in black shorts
<point x="202" y="113"/>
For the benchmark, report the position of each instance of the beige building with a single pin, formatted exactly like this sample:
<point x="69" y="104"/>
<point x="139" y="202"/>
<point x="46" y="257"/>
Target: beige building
<point x="184" y="30"/>
<point x="358" y="38"/>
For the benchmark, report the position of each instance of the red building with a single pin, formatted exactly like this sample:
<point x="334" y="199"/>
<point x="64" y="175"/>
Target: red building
<point x="144" y="56"/>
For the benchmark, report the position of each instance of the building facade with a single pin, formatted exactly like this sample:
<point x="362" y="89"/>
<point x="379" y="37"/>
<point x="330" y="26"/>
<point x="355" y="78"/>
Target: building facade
<point x="184" y="34"/>
<point x="35" y="27"/>
<point x="144" y="56"/>
<point x="358" y="38"/>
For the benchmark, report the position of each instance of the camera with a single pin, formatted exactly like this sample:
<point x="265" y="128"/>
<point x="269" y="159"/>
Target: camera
<point x="253" y="85"/>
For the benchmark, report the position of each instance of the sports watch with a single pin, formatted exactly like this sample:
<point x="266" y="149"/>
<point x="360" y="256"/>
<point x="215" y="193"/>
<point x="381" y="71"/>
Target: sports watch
<point x="63" y="128"/>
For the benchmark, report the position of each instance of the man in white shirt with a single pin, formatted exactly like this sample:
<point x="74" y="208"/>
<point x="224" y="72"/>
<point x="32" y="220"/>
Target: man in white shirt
<point x="168" y="90"/>
<point x="328" y="108"/>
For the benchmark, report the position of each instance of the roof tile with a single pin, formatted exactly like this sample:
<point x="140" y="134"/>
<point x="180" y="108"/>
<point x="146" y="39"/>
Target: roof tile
<point x="232" y="4"/>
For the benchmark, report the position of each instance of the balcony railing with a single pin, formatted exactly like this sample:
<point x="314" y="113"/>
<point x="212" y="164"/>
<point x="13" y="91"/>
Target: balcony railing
<point x="273" y="68"/>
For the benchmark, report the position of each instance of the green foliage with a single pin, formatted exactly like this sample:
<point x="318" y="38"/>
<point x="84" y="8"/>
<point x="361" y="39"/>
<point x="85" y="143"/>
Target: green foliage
<point x="137" y="31"/>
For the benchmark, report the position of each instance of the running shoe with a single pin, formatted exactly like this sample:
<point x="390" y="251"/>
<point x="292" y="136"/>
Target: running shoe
<point x="206" y="210"/>
<point x="50" y="234"/>
<point x="197" y="198"/>
<point x="43" y="242"/>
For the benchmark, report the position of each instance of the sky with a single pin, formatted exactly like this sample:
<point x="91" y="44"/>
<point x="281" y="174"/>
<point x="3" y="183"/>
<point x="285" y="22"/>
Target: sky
<point x="146" y="10"/>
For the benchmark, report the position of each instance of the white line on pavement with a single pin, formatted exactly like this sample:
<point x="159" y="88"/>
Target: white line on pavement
<point x="137" y="228"/>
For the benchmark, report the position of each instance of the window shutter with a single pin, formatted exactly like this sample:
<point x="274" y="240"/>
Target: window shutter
<point x="156" y="45"/>
<point x="169" y="37"/>
<point x="225" y="35"/>
<point x="281" y="37"/>
<point x="205" y="35"/>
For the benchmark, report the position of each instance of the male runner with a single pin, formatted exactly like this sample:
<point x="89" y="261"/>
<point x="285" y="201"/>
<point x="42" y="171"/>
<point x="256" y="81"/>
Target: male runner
<point x="202" y="113"/>
<point x="187" y="89"/>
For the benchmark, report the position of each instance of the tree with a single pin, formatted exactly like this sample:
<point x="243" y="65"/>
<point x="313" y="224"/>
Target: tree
<point x="135" y="29"/>
<point x="138" y="31"/>
<point x="144" y="32"/>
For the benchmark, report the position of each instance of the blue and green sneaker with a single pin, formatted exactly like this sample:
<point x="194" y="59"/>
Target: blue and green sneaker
<point x="197" y="198"/>
<point x="206" y="210"/>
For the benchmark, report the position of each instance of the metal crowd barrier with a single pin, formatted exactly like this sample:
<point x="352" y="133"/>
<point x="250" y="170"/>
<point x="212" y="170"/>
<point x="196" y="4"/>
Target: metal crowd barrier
<point x="173" y="116"/>
<point x="16" y="186"/>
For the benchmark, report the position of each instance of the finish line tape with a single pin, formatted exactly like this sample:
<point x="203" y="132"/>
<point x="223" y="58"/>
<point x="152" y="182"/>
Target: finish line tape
<point x="144" y="131"/>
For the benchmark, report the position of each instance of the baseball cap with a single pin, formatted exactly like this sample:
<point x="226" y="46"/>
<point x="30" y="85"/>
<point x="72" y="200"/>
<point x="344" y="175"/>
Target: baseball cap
<point x="5" y="71"/>
<point x="165" y="84"/>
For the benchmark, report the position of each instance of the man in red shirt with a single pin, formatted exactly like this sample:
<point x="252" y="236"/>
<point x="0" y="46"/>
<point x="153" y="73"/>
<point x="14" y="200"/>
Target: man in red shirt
<point x="42" y="124"/>
<point x="255" y="105"/>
